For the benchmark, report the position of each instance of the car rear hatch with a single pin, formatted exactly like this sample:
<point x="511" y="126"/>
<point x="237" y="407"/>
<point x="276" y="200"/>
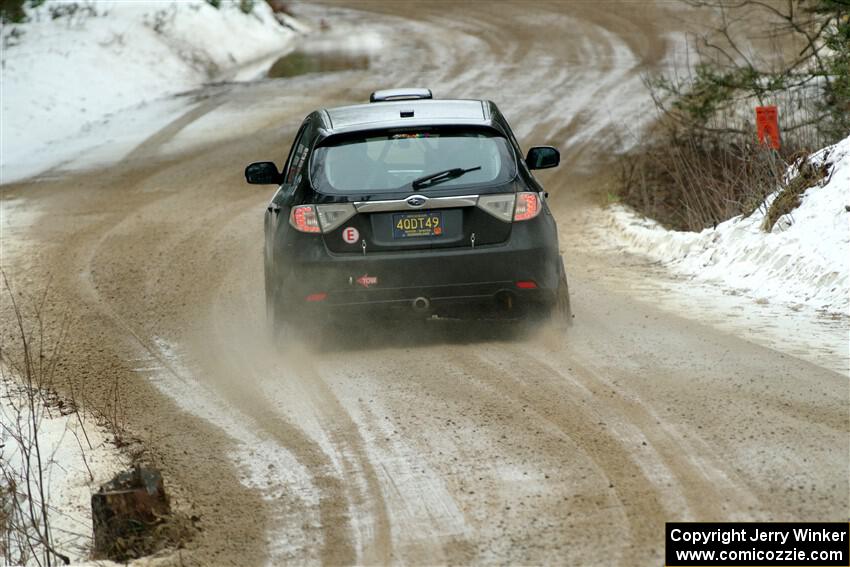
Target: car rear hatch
<point x="414" y="188"/>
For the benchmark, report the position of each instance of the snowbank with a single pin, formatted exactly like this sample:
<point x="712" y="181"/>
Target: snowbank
<point x="804" y="261"/>
<point x="76" y="63"/>
<point x="77" y="456"/>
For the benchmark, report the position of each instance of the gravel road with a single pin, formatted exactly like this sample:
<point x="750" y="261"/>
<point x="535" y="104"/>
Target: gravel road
<point x="438" y="443"/>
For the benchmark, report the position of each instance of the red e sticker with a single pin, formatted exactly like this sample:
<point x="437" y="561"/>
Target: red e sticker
<point x="350" y="234"/>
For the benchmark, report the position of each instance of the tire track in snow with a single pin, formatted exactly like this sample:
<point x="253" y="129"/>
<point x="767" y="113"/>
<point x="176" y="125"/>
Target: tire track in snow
<point x="640" y="499"/>
<point x="691" y="467"/>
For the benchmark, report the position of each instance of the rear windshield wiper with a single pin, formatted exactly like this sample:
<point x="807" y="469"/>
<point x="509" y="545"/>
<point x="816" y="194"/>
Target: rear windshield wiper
<point x="441" y="176"/>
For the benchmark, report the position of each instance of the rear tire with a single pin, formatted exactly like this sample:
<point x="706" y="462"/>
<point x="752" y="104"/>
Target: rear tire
<point x="562" y="313"/>
<point x="557" y="312"/>
<point x="279" y="328"/>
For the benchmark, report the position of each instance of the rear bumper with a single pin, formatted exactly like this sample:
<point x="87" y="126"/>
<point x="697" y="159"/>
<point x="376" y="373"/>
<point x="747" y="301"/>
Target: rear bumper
<point x="480" y="299"/>
<point x="453" y="281"/>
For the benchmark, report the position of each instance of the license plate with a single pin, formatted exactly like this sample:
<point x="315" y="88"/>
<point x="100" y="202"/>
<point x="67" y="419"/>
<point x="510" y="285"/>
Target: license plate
<point x="412" y="225"/>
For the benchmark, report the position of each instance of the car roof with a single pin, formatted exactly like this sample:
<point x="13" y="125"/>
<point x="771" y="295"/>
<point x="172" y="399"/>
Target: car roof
<point x="398" y="114"/>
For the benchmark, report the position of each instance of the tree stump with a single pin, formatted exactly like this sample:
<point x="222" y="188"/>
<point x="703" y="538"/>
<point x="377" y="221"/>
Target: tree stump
<point x="125" y="510"/>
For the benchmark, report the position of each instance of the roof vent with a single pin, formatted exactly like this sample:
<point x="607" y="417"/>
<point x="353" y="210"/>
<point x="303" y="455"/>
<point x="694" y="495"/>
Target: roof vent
<point x="400" y="94"/>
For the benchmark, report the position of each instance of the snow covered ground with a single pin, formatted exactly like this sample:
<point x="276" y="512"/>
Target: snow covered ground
<point x="77" y="456"/>
<point x="72" y="73"/>
<point x="804" y="262"/>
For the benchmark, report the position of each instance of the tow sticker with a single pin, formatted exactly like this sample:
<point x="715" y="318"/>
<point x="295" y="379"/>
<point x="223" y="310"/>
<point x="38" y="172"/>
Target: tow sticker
<point x="350" y="234"/>
<point x="366" y="280"/>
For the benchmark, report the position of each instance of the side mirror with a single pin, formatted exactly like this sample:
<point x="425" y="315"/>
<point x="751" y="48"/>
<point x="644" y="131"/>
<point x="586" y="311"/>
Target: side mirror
<point x="262" y="173"/>
<point x="542" y="157"/>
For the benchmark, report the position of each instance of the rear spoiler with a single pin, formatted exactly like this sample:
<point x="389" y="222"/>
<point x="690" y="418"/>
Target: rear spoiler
<point x="400" y="94"/>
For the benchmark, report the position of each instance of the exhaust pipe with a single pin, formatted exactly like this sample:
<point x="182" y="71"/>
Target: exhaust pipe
<point x="505" y="300"/>
<point x="421" y="304"/>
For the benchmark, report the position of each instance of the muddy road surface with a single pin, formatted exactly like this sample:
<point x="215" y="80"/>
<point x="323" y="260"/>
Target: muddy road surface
<point x="435" y="443"/>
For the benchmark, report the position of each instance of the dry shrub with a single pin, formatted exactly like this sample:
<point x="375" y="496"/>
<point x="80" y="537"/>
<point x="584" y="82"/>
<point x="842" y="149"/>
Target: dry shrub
<point x="28" y="366"/>
<point x="694" y="180"/>
<point x="5" y="523"/>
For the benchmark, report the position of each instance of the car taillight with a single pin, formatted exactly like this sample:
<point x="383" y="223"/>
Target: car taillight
<point x="320" y="218"/>
<point x="527" y="206"/>
<point x="304" y="219"/>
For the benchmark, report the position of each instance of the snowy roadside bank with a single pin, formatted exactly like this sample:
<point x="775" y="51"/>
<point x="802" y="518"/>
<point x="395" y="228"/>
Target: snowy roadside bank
<point x="803" y="262"/>
<point x="74" y="67"/>
<point x="73" y="457"/>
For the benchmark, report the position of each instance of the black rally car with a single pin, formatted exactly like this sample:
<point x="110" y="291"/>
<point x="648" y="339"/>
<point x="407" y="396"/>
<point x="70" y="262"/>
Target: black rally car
<point x="410" y="206"/>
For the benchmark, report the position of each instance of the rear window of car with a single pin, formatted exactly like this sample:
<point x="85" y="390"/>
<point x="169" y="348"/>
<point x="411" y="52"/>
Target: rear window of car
<point x="392" y="161"/>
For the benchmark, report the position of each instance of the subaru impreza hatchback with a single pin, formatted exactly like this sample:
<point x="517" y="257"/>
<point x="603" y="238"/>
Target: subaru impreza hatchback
<point x="410" y="207"/>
